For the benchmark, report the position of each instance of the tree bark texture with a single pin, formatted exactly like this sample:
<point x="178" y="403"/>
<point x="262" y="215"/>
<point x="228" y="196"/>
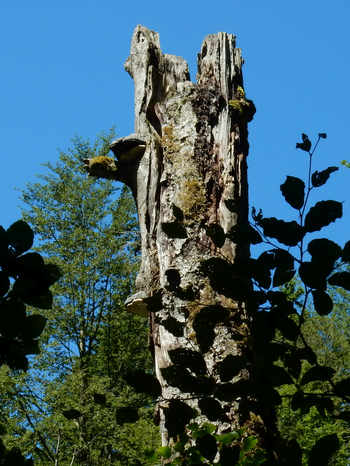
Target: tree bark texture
<point x="191" y="190"/>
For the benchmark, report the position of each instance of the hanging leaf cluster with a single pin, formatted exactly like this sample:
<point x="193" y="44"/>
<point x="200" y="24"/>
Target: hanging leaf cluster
<point x="324" y="266"/>
<point x="25" y="279"/>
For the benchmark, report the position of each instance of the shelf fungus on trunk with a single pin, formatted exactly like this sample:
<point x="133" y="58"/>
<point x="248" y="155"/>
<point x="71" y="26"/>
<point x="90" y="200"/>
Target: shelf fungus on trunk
<point x="101" y="166"/>
<point x="187" y="168"/>
<point x="128" y="151"/>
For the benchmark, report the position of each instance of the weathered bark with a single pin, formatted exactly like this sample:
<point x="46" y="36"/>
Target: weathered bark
<point x="191" y="190"/>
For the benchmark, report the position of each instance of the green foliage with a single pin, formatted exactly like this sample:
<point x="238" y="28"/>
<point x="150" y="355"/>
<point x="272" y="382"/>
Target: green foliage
<point x="311" y="391"/>
<point x="199" y="444"/>
<point x="24" y="279"/>
<point x="75" y="405"/>
<point x="329" y="336"/>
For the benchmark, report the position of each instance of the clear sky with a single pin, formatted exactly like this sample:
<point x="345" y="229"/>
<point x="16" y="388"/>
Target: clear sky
<point x="62" y="75"/>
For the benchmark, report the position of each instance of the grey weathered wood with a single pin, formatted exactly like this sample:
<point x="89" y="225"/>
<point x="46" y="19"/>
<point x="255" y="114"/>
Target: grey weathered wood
<point x="195" y="159"/>
<point x="192" y="176"/>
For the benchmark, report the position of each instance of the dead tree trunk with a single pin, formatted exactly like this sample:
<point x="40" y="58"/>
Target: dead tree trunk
<point x="186" y="165"/>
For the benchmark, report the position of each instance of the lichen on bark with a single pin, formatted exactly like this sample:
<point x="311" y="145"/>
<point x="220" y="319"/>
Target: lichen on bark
<point x="191" y="191"/>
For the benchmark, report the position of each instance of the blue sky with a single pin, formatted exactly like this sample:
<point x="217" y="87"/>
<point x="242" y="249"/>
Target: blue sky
<point x="62" y="75"/>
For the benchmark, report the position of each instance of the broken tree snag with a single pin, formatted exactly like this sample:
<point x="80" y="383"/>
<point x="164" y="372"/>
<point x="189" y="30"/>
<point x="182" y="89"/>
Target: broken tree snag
<point x="190" y="186"/>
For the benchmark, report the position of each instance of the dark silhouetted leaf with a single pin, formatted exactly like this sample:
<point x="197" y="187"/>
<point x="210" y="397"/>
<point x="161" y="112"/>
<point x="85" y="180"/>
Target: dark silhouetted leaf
<point x="207" y="446"/>
<point x="343" y="387"/>
<point x="305" y="145"/>
<point x="324" y="253"/>
<point x="126" y="414"/>
<point x="257" y="216"/>
<point x="306" y="354"/>
<point x="322" y="214"/>
<point x="12" y="318"/>
<point x="312" y="275"/>
<point x="71" y="414"/>
<point x="260" y="271"/>
<point x="270" y="396"/>
<point x="322" y="373"/>
<point x="344" y="416"/>
<point x="293" y="191"/>
<point x="30" y="263"/>
<point x="323" y="450"/>
<point x="293" y="454"/>
<point x="177" y="415"/>
<point x="322" y="301"/>
<point x="288" y="233"/>
<point x="346" y="252"/>
<point x="323" y="405"/>
<point x="282" y="276"/>
<point x="306" y="402"/>
<point x="340" y="279"/>
<point x="42" y="301"/>
<point x="51" y="273"/>
<point x="297" y="400"/>
<point x="143" y="383"/>
<point x="320" y="178"/>
<point x="263" y="327"/>
<point x="100" y="398"/>
<point x="267" y="259"/>
<point x="174" y="230"/>
<point x="244" y="233"/>
<point x="275" y="351"/>
<point x="229" y="455"/>
<point x="286" y="326"/>
<point x="216" y="233"/>
<point x="322" y="135"/>
<point x="279" y="298"/>
<point x="257" y="298"/>
<point x="254" y="236"/>
<point x="4" y="283"/>
<point x="20" y="236"/>
<point x="283" y="259"/>
<point x="278" y="376"/>
<point x="292" y="363"/>
<point x="34" y="326"/>
<point x="324" y="247"/>
<point x="31" y="347"/>
<point x="211" y="408"/>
